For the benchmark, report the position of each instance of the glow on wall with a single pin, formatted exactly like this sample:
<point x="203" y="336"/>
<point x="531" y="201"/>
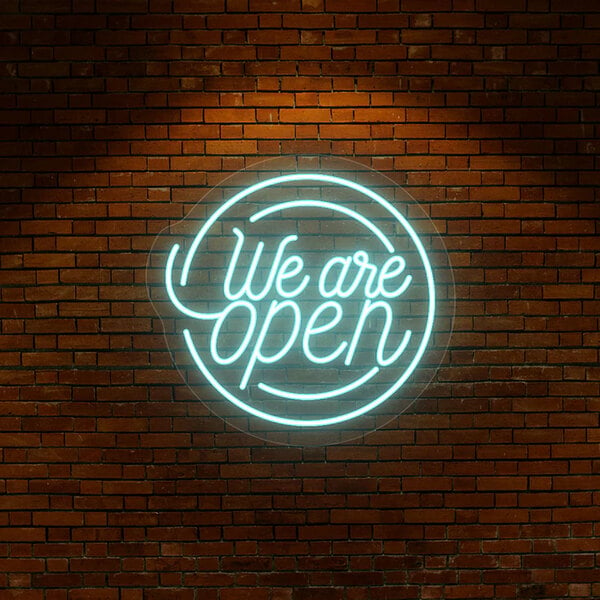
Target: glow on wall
<point x="306" y="299"/>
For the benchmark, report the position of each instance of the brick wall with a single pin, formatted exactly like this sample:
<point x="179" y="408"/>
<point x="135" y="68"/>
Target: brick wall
<point x="116" y="483"/>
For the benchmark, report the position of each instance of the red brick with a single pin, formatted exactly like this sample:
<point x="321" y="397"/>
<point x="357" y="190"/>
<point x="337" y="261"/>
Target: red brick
<point x="22" y="534"/>
<point x="94" y="594"/>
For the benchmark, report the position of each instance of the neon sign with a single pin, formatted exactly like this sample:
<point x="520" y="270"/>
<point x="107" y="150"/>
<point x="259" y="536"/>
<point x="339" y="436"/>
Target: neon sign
<point x="308" y="299"/>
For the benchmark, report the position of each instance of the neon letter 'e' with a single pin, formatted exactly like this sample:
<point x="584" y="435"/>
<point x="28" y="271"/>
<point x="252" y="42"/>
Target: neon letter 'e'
<point x="312" y="330"/>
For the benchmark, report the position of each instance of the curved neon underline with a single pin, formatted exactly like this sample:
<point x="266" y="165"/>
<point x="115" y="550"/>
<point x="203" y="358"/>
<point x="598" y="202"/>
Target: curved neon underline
<point x="253" y="411"/>
<point x="322" y="396"/>
<point x="330" y="205"/>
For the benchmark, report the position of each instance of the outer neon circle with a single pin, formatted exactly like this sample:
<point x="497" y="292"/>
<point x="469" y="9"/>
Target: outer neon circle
<point x="198" y="240"/>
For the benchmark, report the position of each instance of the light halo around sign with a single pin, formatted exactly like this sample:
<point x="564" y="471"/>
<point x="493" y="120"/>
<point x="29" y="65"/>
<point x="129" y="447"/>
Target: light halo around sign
<point x="203" y="232"/>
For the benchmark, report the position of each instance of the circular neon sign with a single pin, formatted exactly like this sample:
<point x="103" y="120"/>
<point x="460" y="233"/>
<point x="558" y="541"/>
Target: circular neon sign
<point x="377" y="296"/>
<point x="304" y="299"/>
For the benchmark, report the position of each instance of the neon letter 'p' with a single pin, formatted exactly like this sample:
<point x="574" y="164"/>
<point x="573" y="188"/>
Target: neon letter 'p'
<point x="257" y="353"/>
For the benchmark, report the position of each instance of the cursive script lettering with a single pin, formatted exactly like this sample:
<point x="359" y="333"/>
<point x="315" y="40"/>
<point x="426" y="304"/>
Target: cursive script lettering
<point x="340" y="278"/>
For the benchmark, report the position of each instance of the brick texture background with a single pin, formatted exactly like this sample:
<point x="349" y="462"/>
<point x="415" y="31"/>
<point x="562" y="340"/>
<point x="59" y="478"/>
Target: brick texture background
<point x="115" y="483"/>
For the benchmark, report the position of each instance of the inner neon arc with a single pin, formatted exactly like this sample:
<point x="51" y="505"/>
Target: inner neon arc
<point x="300" y="203"/>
